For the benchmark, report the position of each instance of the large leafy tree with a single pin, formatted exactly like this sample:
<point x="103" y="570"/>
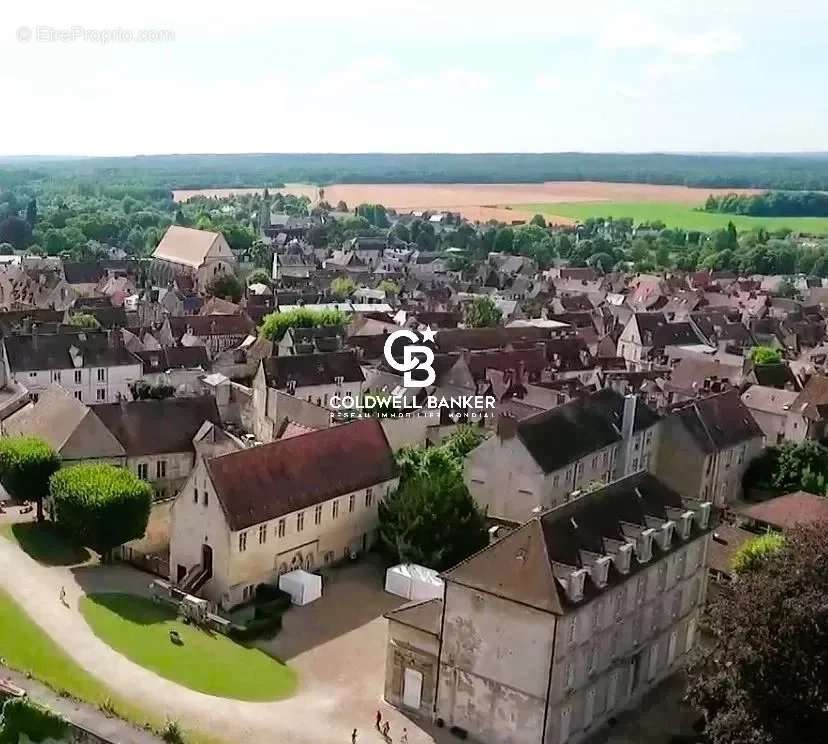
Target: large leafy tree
<point x="26" y="465"/>
<point x="431" y="518"/>
<point x="482" y="312"/>
<point x="765" y="681"/>
<point x="790" y="467"/>
<point x="101" y="506"/>
<point x="342" y="287"/>
<point x="225" y="286"/>
<point x="259" y="276"/>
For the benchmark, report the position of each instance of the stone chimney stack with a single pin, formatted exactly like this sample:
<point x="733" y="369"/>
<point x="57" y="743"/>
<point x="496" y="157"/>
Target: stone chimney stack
<point x="627" y="430"/>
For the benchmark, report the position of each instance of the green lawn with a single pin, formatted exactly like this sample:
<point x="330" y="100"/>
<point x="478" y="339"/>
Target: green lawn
<point x="26" y="648"/>
<point x="210" y="663"/>
<point x="675" y="215"/>
<point x="44" y="542"/>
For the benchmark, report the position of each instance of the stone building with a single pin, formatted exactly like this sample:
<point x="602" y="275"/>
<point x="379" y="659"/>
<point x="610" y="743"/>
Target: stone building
<point x="566" y="621"/>
<point x="200" y="255"/>
<point x="303" y="502"/>
<point x="717" y="437"/>
<point x="542" y="461"/>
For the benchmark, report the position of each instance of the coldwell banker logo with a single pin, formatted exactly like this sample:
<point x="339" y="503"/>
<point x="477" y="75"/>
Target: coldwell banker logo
<point x="415" y="358"/>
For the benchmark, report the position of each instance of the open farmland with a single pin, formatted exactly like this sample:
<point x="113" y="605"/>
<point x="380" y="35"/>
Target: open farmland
<point x="482" y="202"/>
<point x="672" y="214"/>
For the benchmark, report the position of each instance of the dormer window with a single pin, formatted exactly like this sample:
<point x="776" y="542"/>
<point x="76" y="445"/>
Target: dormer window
<point x="600" y="571"/>
<point x="666" y="534"/>
<point x="704" y="514"/>
<point x="575" y="585"/>
<point x="686" y="524"/>
<point x="622" y="558"/>
<point x="644" y="545"/>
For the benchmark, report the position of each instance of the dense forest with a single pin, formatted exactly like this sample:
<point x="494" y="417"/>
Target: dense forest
<point x="794" y="172"/>
<point x="771" y="204"/>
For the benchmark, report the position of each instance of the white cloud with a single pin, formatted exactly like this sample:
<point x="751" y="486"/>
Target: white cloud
<point x="635" y="31"/>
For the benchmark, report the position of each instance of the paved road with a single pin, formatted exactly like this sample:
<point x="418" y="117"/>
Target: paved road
<point x="315" y="715"/>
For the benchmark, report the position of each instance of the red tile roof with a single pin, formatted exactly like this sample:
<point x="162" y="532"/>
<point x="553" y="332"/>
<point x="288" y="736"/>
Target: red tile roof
<point x="266" y="482"/>
<point x="791" y="509"/>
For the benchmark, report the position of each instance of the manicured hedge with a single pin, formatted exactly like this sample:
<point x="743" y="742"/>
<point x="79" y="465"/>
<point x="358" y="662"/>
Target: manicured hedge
<point x="101" y="506"/>
<point x="26" y="465"/>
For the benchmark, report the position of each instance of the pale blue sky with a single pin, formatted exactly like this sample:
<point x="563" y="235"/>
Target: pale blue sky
<point x="415" y="76"/>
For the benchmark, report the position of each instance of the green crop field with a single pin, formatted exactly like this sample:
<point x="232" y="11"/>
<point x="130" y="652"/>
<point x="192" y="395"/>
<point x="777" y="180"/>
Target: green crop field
<point x="675" y="215"/>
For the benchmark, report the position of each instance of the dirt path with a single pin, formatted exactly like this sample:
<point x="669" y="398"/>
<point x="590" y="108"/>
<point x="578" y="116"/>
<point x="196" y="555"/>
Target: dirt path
<point x="316" y="715"/>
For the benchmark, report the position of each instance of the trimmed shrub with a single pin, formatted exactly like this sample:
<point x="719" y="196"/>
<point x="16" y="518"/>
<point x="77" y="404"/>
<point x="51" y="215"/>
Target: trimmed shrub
<point x="101" y="506"/>
<point x="26" y="465"/>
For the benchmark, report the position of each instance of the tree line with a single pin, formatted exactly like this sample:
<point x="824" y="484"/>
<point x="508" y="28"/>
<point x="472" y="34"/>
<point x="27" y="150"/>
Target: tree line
<point x="224" y="171"/>
<point x="771" y="204"/>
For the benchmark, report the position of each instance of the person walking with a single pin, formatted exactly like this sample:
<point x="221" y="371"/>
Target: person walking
<point x="404" y="737"/>
<point x="63" y="595"/>
<point x="379" y="720"/>
<point x="386" y="729"/>
<point x="353" y="736"/>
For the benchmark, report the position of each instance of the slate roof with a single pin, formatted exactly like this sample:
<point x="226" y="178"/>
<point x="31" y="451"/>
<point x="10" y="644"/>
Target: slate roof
<point x="718" y="422"/>
<point x="269" y="481"/>
<point x="174" y="357"/>
<point x="52" y="351"/>
<point x="312" y="369"/>
<point x="158" y="427"/>
<point x="211" y="325"/>
<point x="589" y="274"/>
<point x="453" y="339"/>
<point x="521" y="566"/>
<point x="726" y="541"/>
<point x="813" y="398"/>
<point x="83" y="272"/>
<point x="569" y="353"/>
<point x="14" y="320"/>
<point x="423" y="614"/>
<point x="657" y="332"/>
<point x="566" y="433"/>
<point x="437" y="319"/>
<point x="689" y="374"/>
<point x="575" y="303"/>
<point x="769" y="399"/>
<point x="68" y="425"/>
<point x="532" y="360"/>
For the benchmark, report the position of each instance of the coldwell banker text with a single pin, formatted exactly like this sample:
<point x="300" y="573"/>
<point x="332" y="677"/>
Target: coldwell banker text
<point x="470" y="403"/>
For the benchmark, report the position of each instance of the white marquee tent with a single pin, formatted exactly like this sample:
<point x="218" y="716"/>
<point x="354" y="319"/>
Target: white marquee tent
<point x="413" y="582"/>
<point x="302" y="586"/>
